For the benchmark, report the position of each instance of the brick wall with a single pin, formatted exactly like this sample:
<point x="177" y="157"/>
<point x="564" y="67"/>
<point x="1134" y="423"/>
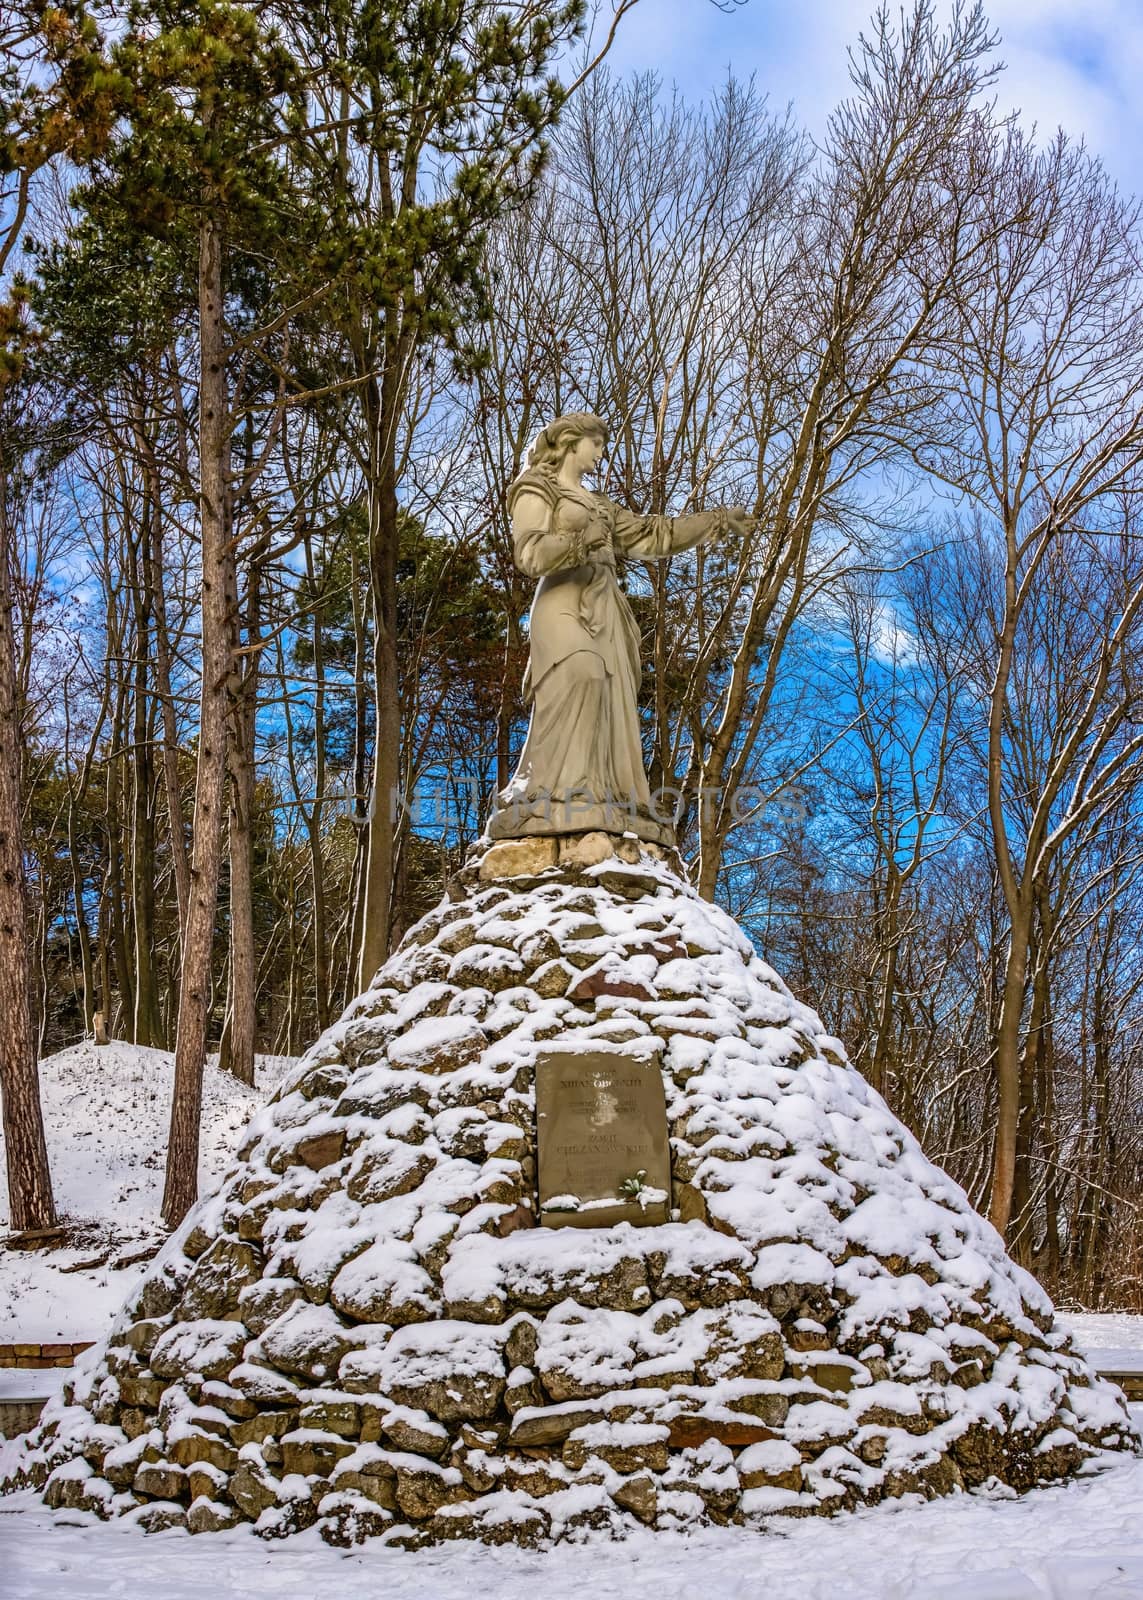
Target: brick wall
<point x="36" y="1356"/>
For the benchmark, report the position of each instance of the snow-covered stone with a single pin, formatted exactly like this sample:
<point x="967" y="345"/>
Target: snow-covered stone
<point x="366" y="1327"/>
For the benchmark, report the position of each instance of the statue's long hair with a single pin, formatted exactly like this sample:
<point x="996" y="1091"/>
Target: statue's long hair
<point x="552" y="443"/>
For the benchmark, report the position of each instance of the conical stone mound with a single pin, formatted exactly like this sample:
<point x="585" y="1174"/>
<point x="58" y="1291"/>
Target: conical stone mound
<point x="366" y="1328"/>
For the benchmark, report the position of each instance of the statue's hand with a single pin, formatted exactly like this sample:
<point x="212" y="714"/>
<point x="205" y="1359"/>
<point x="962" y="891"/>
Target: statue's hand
<point x="738" y="520"/>
<point x="601" y="554"/>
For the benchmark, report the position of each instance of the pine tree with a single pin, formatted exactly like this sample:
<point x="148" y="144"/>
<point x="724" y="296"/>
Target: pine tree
<point x="209" y="88"/>
<point x="56" y="99"/>
<point x="425" y="122"/>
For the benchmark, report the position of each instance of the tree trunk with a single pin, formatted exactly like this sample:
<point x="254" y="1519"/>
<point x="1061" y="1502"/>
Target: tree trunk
<point x="147" y="1025"/>
<point x="1008" y="1077"/>
<point x="103" y="918"/>
<point x="237" y="1053"/>
<point x="888" y="926"/>
<point x="116" y="926"/>
<point x="218" y="648"/>
<point x="83" y="932"/>
<point x="1046" y="1095"/>
<point x="1018" y="905"/>
<point x="1023" y="1189"/>
<point x="29" y="1177"/>
<point x="377" y="879"/>
<point x="353" y="921"/>
<point x="155" y="582"/>
<point x="313" y="816"/>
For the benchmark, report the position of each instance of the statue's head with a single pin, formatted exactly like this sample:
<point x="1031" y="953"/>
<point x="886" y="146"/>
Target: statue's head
<point x="563" y="434"/>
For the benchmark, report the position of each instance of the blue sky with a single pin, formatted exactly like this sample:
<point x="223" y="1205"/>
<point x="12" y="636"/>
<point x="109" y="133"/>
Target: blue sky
<point x="1076" y="64"/>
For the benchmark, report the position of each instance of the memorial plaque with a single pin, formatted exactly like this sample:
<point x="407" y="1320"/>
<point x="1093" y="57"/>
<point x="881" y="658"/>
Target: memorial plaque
<point x="601" y="1134"/>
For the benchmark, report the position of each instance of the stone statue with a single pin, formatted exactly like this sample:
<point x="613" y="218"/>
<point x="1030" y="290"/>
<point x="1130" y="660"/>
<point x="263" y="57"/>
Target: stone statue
<point x="581" y="768"/>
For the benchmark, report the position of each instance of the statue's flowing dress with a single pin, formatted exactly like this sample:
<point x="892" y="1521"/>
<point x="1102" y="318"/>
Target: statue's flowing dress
<point x="581" y="767"/>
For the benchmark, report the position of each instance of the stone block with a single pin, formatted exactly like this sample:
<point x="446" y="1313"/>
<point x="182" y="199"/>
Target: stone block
<point x="313" y="1454"/>
<point x="207" y="1516"/>
<point x="342" y="1417"/>
<point x="203" y="1480"/>
<point x="553" y="979"/>
<point x="253" y="1489"/>
<point x="219" y="1276"/>
<point x="518" y="858"/>
<point x="160" y="1516"/>
<point x="381" y="1491"/>
<point x="691" y="1203"/>
<point x="161" y="1480"/>
<point x="323" y="1081"/>
<point x="191" y="1447"/>
<point x="134" y="1422"/>
<point x="687" y="1433"/>
<point x="456" y="938"/>
<point x="532" y="1430"/>
<point x="141" y="1336"/>
<point x="423" y="1490"/>
<point x="638" y="1495"/>
<point x="321" y="1149"/>
<point x="523" y="1390"/>
<point x="142" y="1392"/>
<point x="385" y="1173"/>
<point x="770" y="1464"/>
<point x="579" y="850"/>
<point x="415" y="1432"/>
<point x="528" y="1526"/>
<point x="527" y="1475"/>
<point x="266" y="1425"/>
<point x="623" y="1446"/>
<point x="835" y="1376"/>
<point x="217" y="1393"/>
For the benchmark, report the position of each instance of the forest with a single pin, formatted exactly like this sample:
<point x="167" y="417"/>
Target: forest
<point x="288" y="291"/>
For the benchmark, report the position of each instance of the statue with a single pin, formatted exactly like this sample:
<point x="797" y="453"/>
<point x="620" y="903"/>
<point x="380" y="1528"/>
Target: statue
<point x="581" y="767"/>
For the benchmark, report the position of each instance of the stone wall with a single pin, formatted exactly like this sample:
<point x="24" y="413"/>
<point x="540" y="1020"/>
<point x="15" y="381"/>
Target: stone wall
<point x="366" y="1328"/>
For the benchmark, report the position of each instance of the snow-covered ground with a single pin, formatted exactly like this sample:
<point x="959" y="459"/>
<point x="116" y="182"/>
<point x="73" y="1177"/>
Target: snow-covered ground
<point x="1079" y="1542"/>
<point x="1114" y="1341"/>
<point x="106" y="1110"/>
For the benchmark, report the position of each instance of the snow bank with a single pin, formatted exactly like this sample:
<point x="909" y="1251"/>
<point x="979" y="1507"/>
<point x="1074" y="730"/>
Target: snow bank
<point x="106" y="1111"/>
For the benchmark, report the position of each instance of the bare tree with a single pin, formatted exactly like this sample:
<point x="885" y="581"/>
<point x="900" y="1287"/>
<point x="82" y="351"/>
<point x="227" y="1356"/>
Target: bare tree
<point x="1043" y="413"/>
<point x="755" y="322"/>
<point x="894" y="769"/>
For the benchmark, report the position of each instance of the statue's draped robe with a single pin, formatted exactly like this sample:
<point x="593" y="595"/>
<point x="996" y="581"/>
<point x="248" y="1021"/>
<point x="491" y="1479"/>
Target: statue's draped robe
<point x="582" y="763"/>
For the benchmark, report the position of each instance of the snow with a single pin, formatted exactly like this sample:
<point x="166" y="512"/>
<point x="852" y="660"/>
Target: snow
<point x="1081" y="1541"/>
<point x="20" y="1383"/>
<point x="1114" y="1341"/>
<point x="106" y="1110"/>
<point x="426" y="1039"/>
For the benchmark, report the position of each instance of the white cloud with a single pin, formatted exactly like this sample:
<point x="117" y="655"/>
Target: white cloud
<point x="1066" y="66"/>
<point x="1078" y="69"/>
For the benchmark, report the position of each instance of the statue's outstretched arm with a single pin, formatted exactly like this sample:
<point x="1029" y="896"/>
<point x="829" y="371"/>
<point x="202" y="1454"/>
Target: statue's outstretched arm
<point x="654" y="538"/>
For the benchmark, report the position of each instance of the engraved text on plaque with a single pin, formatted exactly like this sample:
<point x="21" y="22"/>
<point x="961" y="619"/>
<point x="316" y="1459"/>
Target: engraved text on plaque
<point x="601" y="1123"/>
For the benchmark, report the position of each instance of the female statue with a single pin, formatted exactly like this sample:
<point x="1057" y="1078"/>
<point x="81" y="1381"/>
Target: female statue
<point x="581" y="768"/>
